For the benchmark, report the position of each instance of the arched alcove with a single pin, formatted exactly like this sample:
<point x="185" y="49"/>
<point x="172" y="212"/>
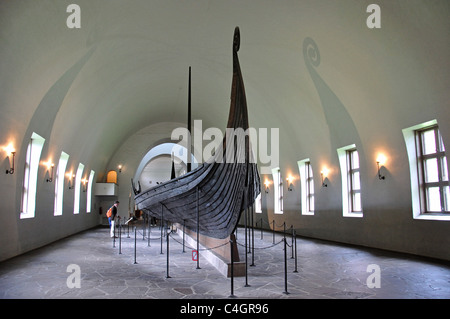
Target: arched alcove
<point x="111" y="177"/>
<point x="156" y="165"/>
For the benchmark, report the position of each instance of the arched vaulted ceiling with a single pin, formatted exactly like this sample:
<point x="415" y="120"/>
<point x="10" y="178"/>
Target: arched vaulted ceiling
<point x="87" y="90"/>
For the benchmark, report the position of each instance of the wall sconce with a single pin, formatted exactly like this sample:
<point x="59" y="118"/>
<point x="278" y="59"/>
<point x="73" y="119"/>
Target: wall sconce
<point x="290" y="179"/>
<point x="50" y="165"/>
<point x="119" y="167"/>
<point x="84" y="181"/>
<point x="71" y="180"/>
<point x="10" y="151"/>
<point x="266" y="184"/>
<point x="381" y="160"/>
<point x="324" y="174"/>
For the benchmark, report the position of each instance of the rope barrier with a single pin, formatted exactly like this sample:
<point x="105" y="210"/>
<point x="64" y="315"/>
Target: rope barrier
<point x="170" y="235"/>
<point x="273" y="245"/>
<point x="211" y="248"/>
<point x="202" y="249"/>
<point x="151" y="238"/>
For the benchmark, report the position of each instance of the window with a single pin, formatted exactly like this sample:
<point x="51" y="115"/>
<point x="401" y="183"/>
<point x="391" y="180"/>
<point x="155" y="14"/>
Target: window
<point x="30" y="177"/>
<point x="433" y="171"/>
<point x="428" y="171"/>
<point x="354" y="181"/>
<point x="89" y="192"/>
<point x="351" y="181"/>
<point x="258" y="204"/>
<point x="307" y="186"/>
<point x="76" y="204"/>
<point x="278" y="190"/>
<point x="59" y="184"/>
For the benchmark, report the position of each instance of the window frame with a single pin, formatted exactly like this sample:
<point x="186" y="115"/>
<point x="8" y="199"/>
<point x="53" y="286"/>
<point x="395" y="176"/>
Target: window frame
<point x="307" y="186"/>
<point x="89" y="192"/>
<point x="278" y="190"/>
<point x="410" y="138"/>
<point x="352" y="172"/>
<point x="441" y="183"/>
<point x="77" y="188"/>
<point x="31" y="172"/>
<point x="348" y="189"/>
<point x="59" y="184"/>
<point x="310" y="197"/>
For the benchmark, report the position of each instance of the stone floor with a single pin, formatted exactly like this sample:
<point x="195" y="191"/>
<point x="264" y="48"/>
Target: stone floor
<point x="325" y="270"/>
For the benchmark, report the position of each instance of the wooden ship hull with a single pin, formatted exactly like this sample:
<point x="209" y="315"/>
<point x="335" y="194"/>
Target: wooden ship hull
<point x="211" y="198"/>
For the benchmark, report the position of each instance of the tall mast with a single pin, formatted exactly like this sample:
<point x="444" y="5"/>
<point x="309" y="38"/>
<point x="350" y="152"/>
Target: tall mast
<point x="189" y="125"/>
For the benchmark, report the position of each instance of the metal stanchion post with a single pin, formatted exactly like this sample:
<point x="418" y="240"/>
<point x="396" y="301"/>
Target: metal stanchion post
<point x="232" y="269"/>
<point x="135" y="236"/>
<point x="198" y="232"/>
<point x="184" y="232"/>
<point x="167" y="274"/>
<point x="253" y="241"/>
<point x="261" y="228"/>
<point x="143" y="227"/>
<point x="114" y="231"/>
<point x="292" y="243"/>
<point x="245" y="250"/>
<point x="295" y="243"/>
<point x="148" y="236"/>
<point x="273" y="232"/>
<point x="162" y="226"/>
<point x="285" y="268"/>
<point x="249" y="231"/>
<point x="120" y="238"/>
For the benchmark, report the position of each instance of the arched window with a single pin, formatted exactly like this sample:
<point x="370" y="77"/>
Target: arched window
<point x="30" y="177"/>
<point x="89" y="192"/>
<point x="76" y="204"/>
<point x="278" y="190"/>
<point x="307" y="186"/>
<point x="59" y="184"/>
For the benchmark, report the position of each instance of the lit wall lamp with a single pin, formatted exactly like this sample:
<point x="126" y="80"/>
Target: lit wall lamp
<point x="381" y="160"/>
<point x="289" y="180"/>
<point x="50" y="166"/>
<point x="266" y="184"/>
<point x="10" y="151"/>
<point x="324" y="174"/>
<point x="120" y="168"/>
<point x="84" y="181"/>
<point x="71" y="180"/>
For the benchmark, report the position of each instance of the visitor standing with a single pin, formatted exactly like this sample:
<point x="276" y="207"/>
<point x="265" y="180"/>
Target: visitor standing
<point x="113" y="218"/>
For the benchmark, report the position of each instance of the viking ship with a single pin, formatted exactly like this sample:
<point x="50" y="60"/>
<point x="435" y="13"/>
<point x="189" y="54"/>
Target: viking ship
<point x="211" y="198"/>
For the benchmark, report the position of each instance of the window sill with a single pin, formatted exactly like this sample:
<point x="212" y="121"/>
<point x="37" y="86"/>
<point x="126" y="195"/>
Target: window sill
<point x="24" y="215"/>
<point x="433" y="217"/>
<point x="351" y="214"/>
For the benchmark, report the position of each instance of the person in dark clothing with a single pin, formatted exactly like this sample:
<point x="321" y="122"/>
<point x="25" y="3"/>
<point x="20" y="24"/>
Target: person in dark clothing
<point x="113" y="217"/>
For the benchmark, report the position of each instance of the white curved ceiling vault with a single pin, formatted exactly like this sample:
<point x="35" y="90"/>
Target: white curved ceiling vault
<point x="134" y="56"/>
<point x="92" y="90"/>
